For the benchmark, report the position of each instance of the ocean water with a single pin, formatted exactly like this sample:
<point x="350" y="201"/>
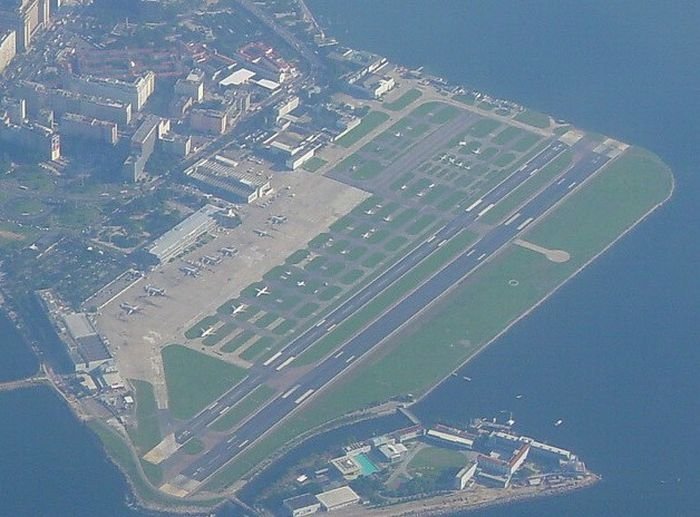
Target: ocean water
<point x="614" y="354"/>
<point x="17" y="361"/>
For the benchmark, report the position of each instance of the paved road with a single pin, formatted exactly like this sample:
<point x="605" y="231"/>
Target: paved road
<point x="373" y="334"/>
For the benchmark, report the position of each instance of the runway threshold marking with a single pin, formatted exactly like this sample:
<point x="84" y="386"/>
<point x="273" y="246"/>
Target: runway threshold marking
<point x="485" y="210"/>
<point x="525" y="223"/>
<point x="289" y="392"/>
<point x="304" y="396"/>
<point x="272" y="359"/>
<point x="509" y="221"/>
<point x="285" y="363"/>
<point x="474" y="205"/>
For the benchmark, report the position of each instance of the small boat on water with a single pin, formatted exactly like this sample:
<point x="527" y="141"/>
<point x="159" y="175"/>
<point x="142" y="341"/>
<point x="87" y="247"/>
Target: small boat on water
<point x="558" y="423"/>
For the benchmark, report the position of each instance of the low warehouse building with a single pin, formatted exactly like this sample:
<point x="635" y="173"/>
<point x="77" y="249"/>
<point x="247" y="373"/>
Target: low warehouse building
<point x="338" y="498"/>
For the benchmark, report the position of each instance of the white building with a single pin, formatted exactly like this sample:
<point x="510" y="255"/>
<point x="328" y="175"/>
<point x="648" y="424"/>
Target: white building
<point x="338" y="498"/>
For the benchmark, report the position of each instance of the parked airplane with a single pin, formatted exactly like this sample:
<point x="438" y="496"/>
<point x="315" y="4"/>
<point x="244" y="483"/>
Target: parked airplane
<point x="228" y="252"/>
<point x="212" y="261"/>
<point x="130" y="309"/>
<point x="152" y="290"/>
<point x="239" y="308"/>
<point x="262" y="233"/>
<point x="370" y="212"/>
<point x="261" y="292"/>
<point x="301" y="283"/>
<point x="189" y="270"/>
<point x="278" y="219"/>
<point x="366" y="235"/>
<point x="207" y="332"/>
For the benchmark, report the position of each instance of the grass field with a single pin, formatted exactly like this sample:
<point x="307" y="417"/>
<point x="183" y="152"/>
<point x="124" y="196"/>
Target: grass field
<point x="533" y="118"/>
<point x="314" y="164"/>
<point x="476" y="312"/>
<point x="407" y="98"/>
<point x="194" y="380"/>
<point x="245" y="407"/>
<point x="369" y="122"/>
<point x="431" y="459"/>
<point x="196" y="330"/>
<point x="146" y="434"/>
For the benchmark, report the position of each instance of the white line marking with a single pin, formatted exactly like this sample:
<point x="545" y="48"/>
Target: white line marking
<point x="224" y="410"/>
<point x="349" y="359"/>
<point x="481" y="256"/>
<point x="474" y="205"/>
<point x="512" y="219"/>
<point x="534" y="170"/>
<point x="289" y="392"/>
<point x="243" y="444"/>
<point x="525" y="223"/>
<point x="285" y="363"/>
<point x="561" y="180"/>
<point x="571" y="185"/>
<point x="272" y="359"/>
<point x="485" y="210"/>
<point x="336" y="356"/>
<point x="331" y="327"/>
<point x="443" y="241"/>
<point x="304" y="396"/>
<point x="320" y="323"/>
<point x="230" y="439"/>
<point x="431" y="238"/>
<point x="471" y="252"/>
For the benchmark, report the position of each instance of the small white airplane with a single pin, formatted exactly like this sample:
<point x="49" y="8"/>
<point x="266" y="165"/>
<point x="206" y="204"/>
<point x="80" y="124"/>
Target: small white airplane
<point x="228" y="252"/>
<point x="369" y="212"/>
<point x="397" y="134"/>
<point x="189" y="271"/>
<point x="261" y="292"/>
<point x="387" y="219"/>
<point x="477" y="151"/>
<point x="366" y="235"/>
<point x="207" y="332"/>
<point x="344" y="252"/>
<point x="262" y="233"/>
<point x="207" y="259"/>
<point x="239" y="308"/>
<point x="404" y="186"/>
<point x="301" y="283"/>
<point x="130" y="309"/>
<point x="152" y="290"/>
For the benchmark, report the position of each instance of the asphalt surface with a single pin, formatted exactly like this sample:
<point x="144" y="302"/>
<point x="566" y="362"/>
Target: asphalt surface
<point x="391" y="320"/>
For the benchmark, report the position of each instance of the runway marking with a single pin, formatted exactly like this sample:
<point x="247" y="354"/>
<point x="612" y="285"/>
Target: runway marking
<point x="480" y="257"/>
<point x="471" y="252"/>
<point x="485" y="210"/>
<point x="512" y="219"/>
<point x="534" y="170"/>
<point x="525" y="223"/>
<point x="285" y="363"/>
<point x="571" y="185"/>
<point x="474" y="205"/>
<point x="224" y="410"/>
<point x="304" y="396"/>
<point x="331" y="327"/>
<point x="289" y="392"/>
<point x="432" y="238"/>
<point x="442" y="242"/>
<point x="349" y="359"/>
<point x="272" y="359"/>
<point x="336" y="356"/>
<point x="243" y="444"/>
<point x="561" y="180"/>
<point x="320" y="323"/>
<point x="231" y="439"/>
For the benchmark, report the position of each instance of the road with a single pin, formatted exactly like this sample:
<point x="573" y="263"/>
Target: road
<point x="394" y="318"/>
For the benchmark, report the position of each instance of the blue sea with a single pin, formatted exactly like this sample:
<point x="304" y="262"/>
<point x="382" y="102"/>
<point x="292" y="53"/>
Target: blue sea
<point x="615" y="354"/>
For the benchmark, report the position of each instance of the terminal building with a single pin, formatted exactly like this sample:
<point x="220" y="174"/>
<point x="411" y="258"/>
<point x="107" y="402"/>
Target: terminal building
<point x="224" y="178"/>
<point x="86" y="348"/>
<point x="184" y="234"/>
<point x="135" y="93"/>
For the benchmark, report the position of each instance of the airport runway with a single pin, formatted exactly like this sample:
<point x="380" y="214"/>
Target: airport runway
<point x="391" y="320"/>
<point x="258" y="373"/>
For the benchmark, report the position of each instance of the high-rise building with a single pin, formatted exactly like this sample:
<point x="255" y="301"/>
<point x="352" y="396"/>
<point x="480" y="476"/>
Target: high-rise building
<point x="135" y="93"/>
<point x="75" y="125"/>
<point x="26" y="17"/>
<point x="8" y="47"/>
<point x="41" y="140"/>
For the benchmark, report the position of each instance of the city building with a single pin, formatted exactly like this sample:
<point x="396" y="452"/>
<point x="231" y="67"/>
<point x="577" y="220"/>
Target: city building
<point x="32" y="137"/>
<point x="14" y="109"/>
<point x="286" y="106"/>
<point x="392" y="452"/>
<point x="8" y="47"/>
<point x="465" y="475"/>
<point x="192" y="86"/>
<point x="302" y="505"/>
<point x="299" y="159"/>
<point x="177" y="145"/>
<point x="451" y="436"/>
<point x="25" y="17"/>
<point x="372" y="86"/>
<point x="185" y="233"/>
<point x="135" y="93"/>
<point x="212" y="122"/>
<point x="224" y="178"/>
<point x="62" y="101"/>
<point x="143" y="143"/>
<point x="338" y="498"/>
<point x="348" y="467"/>
<point x="74" y="125"/>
